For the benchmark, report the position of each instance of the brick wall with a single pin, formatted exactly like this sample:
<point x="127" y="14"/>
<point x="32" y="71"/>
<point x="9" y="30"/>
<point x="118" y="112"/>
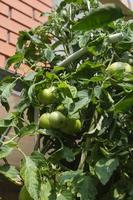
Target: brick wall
<point x="15" y="16"/>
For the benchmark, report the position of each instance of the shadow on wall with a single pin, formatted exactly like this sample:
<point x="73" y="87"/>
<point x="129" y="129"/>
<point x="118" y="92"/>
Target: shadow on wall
<point x="8" y="190"/>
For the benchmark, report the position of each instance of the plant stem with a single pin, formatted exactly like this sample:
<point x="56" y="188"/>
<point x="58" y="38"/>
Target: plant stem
<point x="37" y="138"/>
<point x="112" y="38"/>
<point x="4" y="135"/>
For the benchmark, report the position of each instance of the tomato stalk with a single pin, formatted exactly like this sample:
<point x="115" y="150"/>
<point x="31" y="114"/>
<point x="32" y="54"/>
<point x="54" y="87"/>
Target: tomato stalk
<point x="112" y="38"/>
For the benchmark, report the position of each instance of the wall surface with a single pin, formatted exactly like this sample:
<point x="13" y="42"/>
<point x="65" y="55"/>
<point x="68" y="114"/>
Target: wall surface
<point x="15" y="16"/>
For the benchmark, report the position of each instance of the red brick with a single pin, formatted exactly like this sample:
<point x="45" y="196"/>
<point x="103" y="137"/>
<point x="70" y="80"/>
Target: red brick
<point x="13" y="38"/>
<point x="38" y="17"/>
<point x="23" y="19"/>
<point x="3" y="34"/>
<point x="4" y="9"/>
<point x="23" y="69"/>
<point x="37" y="5"/>
<point x="7" y="49"/>
<point x="17" y="4"/>
<point x="11" y="25"/>
<point x="47" y="2"/>
<point x="2" y="60"/>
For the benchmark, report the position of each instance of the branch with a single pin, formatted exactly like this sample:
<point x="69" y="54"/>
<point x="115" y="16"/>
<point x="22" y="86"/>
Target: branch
<point x="37" y="138"/>
<point x="112" y="38"/>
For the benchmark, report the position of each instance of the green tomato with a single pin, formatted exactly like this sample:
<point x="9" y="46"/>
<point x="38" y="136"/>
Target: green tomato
<point x="46" y="96"/>
<point x="117" y="68"/>
<point x="57" y="119"/>
<point x="72" y="126"/>
<point x="24" y="195"/>
<point x="44" y="121"/>
<point x="61" y="109"/>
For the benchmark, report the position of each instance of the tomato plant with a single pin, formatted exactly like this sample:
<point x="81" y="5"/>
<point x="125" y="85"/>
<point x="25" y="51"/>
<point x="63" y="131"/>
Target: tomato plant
<point x="84" y="126"/>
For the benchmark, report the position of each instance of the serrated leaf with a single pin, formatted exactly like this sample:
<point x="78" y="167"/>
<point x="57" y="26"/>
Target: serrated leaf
<point x="45" y="190"/>
<point x="6" y="149"/>
<point x="11" y="173"/>
<point x="99" y="17"/>
<point x="29" y="173"/>
<point x="6" y="93"/>
<point x="104" y="169"/>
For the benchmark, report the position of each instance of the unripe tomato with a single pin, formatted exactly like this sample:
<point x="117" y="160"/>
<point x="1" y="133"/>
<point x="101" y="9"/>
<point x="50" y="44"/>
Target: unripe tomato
<point x="119" y="68"/>
<point x="57" y="119"/>
<point x="44" y="121"/>
<point x="72" y="126"/>
<point x="46" y="96"/>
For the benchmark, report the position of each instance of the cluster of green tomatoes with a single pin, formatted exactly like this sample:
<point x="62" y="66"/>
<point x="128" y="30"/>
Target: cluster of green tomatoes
<point x="56" y="119"/>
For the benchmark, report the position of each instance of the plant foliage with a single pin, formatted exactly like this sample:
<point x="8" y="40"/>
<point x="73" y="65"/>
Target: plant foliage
<point x="95" y="162"/>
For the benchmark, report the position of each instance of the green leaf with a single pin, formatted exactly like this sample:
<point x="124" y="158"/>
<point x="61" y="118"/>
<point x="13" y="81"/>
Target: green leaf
<point x="27" y="130"/>
<point x="64" y="195"/>
<point x="84" y="100"/>
<point x="58" y="69"/>
<point x="17" y="58"/>
<point x="63" y="153"/>
<point x="7" y="89"/>
<point x="39" y="159"/>
<point x="6" y="149"/>
<point x="74" y="1"/>
<point x="86" y="69"/>
<point x="73" y="91"/>
<point x="97" y="91"/>
<point x="30" y="76"/>
<point x="83" y="185"/>
<point x="11" y="173"/>
<point x="69" y="176"/>
<point x="29" y="173"/>
<point x="45" y="190"/>
<point x="67" y="102"/>
<point x="124" y="104"/>
<point x="86" y="188"/>
<point x="7" y="122"/>
<point x="104" y="169"/>
<point x="49" y="54"/>
<point x="24" y="195"/>
<point x="31" y="91"/>
<point x="99" y="17"/>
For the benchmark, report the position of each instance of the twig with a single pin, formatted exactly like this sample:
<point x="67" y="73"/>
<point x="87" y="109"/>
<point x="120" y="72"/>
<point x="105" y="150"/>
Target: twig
<point x="4" y="135"/>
